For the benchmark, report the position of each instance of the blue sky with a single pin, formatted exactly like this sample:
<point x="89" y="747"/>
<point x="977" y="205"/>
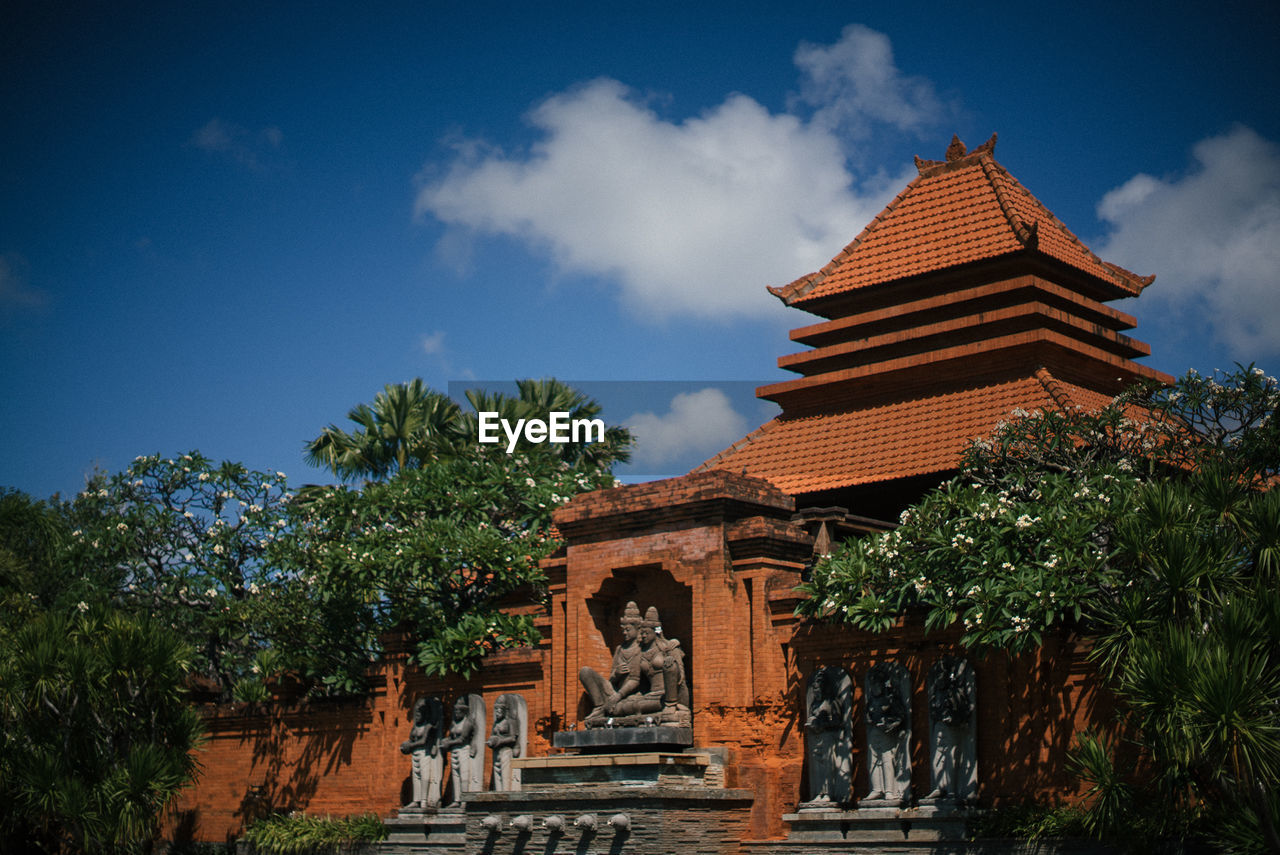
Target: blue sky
<point x="224" y="224"/>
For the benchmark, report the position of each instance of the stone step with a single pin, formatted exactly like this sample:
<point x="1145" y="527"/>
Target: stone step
<point x="445" y="828"/>
<point x="877" y="825"/>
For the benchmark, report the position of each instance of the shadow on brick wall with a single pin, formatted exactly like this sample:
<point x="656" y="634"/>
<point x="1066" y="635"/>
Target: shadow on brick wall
<point x="296" y="748"/>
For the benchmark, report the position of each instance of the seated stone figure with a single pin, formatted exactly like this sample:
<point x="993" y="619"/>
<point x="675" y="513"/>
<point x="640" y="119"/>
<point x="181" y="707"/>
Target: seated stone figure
<point x="603" y="692"/>
<point x="647" y="684"/>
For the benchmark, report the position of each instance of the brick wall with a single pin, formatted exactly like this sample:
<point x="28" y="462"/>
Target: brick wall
<point x="336" y="757"/>
<point x="718" y="555"/>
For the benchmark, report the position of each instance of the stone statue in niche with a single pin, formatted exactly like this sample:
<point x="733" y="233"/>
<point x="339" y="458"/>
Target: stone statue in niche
<point x="647" y="682"/>
<point x="888" y="735"/>
<point x="423" y="748"/>
<point x="465" y="744"/>
<point x="828" y="736"/>
<point x="604" y="693"/>
<point x="952" y="740"/>
<point x="507" y="740"/>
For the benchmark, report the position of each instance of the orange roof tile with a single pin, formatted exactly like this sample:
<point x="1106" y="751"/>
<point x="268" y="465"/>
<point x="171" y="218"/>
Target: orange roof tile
<point x="920" y="436"/>
<point x="955" y="212"/>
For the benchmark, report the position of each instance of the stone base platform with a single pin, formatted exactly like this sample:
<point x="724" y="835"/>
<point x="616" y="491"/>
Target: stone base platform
<point x="878" y="824"/>
<point x="442" y="827"/>
<point x="613" y="740"/>
<point x="656" y="820"/>
<point x="570" y="773"/>
<point x="936" y="847"/>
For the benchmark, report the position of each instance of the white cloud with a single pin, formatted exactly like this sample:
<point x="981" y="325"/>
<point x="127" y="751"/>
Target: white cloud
<point x="855" y="83"/>
<point x="242" y="145"/>
<point x="702" y="422"/>
<point x="15" y="293"/>
<point x="1212" y="237"/>
<point x="433" y="344"/>
<point x="693" y="217"/>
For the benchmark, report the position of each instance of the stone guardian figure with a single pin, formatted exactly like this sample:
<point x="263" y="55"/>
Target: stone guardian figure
<point x="952" y="738"/>
<point x="423" y="748"/>
<point x="888" y="736"/>
<point x="507" y="740"/>
<point x="465" y="744"/>
<point x="828" y="737"/>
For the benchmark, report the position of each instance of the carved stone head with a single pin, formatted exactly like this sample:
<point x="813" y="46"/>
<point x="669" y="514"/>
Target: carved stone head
<point x="950" y="700"/>
<point x="630" y="622"/>
<point x="886" y="710"/>
<point x="650" y="626"/>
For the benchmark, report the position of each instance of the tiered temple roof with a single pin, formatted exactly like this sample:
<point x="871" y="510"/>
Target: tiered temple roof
<point x="964" y="299"/>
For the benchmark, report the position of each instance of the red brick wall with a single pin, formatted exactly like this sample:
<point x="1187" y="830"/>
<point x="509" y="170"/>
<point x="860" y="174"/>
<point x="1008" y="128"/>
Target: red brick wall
<point x="336" y="757"/>
<point x="717" y="554"/>
<point x="1029" y="706"/>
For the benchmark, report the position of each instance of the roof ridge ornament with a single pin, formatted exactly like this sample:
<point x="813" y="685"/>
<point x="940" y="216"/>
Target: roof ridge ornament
<point x="1029" y="235"/>
<point x="988" y="147"/>
<point x="956" y="152"/>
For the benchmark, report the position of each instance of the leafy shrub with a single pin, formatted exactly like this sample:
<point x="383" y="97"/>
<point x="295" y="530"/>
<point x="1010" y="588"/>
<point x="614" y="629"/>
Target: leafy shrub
<point x="96" y="735"/>
<point x="298" y="833"/>
<point x="1028" y="821"/>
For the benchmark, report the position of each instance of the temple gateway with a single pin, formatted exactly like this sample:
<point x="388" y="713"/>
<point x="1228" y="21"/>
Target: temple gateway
<point x="676" y="703"/>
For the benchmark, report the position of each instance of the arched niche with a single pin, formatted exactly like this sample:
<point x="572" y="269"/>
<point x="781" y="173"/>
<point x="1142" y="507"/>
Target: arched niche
<point x="646" y="585"/>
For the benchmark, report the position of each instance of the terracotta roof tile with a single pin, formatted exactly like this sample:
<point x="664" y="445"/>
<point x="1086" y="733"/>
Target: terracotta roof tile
<point x="964" y="210"/>
<point x="895" y="440"/>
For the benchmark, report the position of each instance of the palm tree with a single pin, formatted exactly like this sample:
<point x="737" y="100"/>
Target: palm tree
<point x="407" y="425"/>
<point x="536" y="399"/>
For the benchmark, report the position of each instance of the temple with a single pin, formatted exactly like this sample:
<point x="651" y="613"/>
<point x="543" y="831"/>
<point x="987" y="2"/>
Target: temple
<point x="963" y="301"/>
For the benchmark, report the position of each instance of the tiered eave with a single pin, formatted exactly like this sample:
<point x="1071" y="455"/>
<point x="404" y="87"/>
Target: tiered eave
<point x="963" y="299"/>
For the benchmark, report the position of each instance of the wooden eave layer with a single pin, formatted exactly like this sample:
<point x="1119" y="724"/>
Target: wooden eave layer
<point x="930" y="372"/>
<point x="957" y="303"/>
<point x="910" y="288"/>
<point x="959" y="331"/>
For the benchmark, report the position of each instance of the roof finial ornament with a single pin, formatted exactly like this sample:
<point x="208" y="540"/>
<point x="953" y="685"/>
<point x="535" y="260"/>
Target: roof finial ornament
<point x="956" y="150"/>
<point x="987" y="147"/>
<point x="923" y="166"/>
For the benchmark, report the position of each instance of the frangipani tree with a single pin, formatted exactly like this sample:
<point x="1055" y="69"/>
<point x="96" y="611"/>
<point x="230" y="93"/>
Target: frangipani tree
<point x="1149" y="526"/>
<point x="184" y="538"/>
<point x="435" y="552"/>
